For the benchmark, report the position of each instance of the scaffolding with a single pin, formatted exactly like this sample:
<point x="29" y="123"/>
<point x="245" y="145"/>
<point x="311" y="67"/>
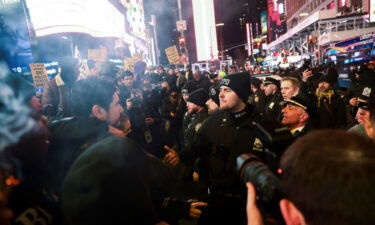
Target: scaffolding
<point x="302" y="42"/>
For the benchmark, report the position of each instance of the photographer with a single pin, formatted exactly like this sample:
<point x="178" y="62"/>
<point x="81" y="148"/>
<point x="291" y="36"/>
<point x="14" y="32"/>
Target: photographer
<point x="329" y="183"/>
<point x="310" y="79"/>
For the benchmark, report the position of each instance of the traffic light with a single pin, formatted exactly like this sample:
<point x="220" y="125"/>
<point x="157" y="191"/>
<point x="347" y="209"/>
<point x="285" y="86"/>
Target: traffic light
<point x="181" y="41"/>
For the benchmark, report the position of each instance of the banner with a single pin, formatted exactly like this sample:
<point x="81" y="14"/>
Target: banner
<point x="172" y="54"/>
<point x="39" y="73"/>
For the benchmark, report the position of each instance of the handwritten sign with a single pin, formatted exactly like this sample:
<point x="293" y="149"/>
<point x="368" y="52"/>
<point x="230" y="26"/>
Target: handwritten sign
<point x="138" y="56"/>
<point x="98" y="55"/>
<point x="172" y="54"/>
<point x="129" y="64"/>
<point x="39" y="73"/>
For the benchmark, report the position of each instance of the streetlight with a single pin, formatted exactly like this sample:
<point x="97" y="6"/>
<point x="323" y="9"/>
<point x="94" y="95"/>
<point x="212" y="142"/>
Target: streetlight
<point x="221" y="25"/>
<point x="153" y="24"/>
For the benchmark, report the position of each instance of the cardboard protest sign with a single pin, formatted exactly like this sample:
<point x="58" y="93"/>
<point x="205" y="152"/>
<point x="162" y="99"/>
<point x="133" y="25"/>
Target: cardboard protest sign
<point x="98" y="55"/>
<point x="172" y="54"/>
<point x="138" y="56"/>
<point x="129" y="64"/>
<point x="39" y="73"/>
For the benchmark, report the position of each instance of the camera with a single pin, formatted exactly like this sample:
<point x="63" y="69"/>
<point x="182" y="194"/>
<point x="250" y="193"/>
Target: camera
<point x="306" y="65"/>
<point x="135" y="101"/>
<point x="265" y="181"/>
<point x="262" y="173"/>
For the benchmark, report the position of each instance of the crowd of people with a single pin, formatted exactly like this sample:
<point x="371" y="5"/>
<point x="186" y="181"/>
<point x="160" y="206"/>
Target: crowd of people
<point x="159" y="146"/>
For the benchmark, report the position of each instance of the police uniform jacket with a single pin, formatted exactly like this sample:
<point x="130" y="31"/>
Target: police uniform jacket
<point x="219" y="141"/>
<point x="258" y="99"/>
<point x="272" y="112"/>
<point x="196" y="121"/>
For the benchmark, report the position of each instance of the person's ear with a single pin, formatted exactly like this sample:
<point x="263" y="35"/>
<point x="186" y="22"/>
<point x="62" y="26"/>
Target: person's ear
<point x="98" y="112"/>
<point x="292" y="216"/>
<point x="304" y="117"/>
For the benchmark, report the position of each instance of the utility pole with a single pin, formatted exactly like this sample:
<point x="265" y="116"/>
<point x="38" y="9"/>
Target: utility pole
<point x="180" y="15"/>
<point x="183" y="49"/>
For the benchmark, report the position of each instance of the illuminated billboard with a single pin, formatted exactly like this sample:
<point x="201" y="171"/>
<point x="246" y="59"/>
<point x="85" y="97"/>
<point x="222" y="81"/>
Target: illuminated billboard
<point x="263" y="22"/>
<point x="276" y="19"/>
<point x="342" y="3"/>
<point x="99" y="18"/>
<point x="372" y="11"/>
<point x="205" y="30"/>
<point x="15" y="38"/>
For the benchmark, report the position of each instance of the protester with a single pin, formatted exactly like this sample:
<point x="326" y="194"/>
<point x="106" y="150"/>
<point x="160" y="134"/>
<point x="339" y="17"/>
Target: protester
<point x="96" y="113"/>
<point x="56" y="96"/>
<point x="331" y="108"/>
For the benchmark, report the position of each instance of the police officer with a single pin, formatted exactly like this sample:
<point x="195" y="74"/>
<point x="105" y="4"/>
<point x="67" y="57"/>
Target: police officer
<point x="198" y="113"/>
<point x="274" y="99"/>
<point x="225" y="135"/>
<point x="213" y="102"/>
<point x="257" y="98"/>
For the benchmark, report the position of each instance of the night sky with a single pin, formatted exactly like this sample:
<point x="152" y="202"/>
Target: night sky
<point x="228" y="12"/>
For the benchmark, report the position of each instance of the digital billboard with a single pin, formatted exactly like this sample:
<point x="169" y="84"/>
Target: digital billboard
<point x="342" y="3"/>
<point x="372" y="11"/>
<point x="98" y="18"/>
<point x="15" y="36"/>
<point x="276" y="19"/>
<point x="263" y="22"/>
<point x="205" y="30"/>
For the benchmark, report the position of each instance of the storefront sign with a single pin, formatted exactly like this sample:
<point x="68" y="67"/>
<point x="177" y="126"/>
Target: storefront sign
<point x="356" y="39"/>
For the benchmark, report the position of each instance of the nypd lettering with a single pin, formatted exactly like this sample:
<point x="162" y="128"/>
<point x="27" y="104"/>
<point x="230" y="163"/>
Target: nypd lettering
<point x="225" y="82"/>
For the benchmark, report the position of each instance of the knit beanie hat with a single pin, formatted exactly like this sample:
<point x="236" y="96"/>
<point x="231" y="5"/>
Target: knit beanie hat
<point x="214" y="94"/>
<point x="325" y="79"/>
<point x="198" y="97"/>
<point x="188" y="88"/>
<point x="239" y="83"/>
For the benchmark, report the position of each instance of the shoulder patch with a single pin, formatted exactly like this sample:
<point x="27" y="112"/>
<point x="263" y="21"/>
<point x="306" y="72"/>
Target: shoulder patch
<point x="198" y="126"/>
<point x="258" y="145"/>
